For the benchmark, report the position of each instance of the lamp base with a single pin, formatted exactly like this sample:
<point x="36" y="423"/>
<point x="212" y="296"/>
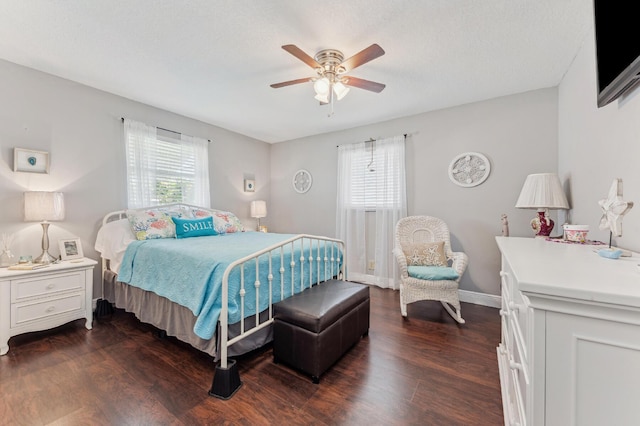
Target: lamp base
<point x="542" y="224"/>
<point x="45" y="258"/>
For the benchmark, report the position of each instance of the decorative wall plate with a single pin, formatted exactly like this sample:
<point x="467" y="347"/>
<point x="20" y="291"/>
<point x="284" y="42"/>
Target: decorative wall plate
<point x="302" y="181"/>
<point x="469" y="169"/>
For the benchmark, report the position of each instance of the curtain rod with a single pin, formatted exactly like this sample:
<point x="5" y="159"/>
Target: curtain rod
<point x="166" y="130"/>
<point x="372" y="140"/>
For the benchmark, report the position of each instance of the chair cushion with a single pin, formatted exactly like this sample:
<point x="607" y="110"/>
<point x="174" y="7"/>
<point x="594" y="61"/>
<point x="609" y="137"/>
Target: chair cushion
<point x="425" y="254"/>
<point x="433" y="273"/>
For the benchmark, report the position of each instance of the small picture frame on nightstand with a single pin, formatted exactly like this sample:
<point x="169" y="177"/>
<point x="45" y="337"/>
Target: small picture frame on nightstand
<point x="70" y="249"/>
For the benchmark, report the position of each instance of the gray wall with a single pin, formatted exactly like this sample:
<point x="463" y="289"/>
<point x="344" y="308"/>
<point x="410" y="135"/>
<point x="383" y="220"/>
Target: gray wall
<point x="517" y="133"/>
<point x="596" y="146"/>
<point x="81" y="129"/>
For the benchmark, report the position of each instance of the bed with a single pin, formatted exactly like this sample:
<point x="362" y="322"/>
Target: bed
<point x="214" y="288"/>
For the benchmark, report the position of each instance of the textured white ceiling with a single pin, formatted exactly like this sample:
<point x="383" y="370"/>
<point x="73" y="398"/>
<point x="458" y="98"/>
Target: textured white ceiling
<point x="214" y="60"/>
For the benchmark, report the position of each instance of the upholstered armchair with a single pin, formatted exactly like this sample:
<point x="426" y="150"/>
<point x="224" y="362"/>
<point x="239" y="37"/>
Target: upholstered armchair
<point x="429" y="269"/>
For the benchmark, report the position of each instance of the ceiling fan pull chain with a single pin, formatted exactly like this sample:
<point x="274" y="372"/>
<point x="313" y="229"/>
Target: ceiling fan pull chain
<point x="331" y="97"/>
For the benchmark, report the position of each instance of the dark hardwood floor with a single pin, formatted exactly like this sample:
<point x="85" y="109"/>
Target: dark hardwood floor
<point x="424" y="370"/>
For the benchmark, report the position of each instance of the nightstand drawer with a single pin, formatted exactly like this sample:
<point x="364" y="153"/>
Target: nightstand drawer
<point x="27" y="312"/>
<point x="44" y="286"/>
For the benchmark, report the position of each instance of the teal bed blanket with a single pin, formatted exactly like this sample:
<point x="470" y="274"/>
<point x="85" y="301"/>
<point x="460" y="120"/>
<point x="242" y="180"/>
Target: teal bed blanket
<point x="189" y="272"/>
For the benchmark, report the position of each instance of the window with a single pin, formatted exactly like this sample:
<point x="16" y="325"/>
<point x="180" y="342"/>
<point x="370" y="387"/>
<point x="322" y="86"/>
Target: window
<point x="165" y="167"/>
<point x="371" y="181"/>
<point x="376" y="179"/>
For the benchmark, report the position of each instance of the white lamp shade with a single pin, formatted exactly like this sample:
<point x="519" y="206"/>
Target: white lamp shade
<point x="40" y="206"/>
<point x="321" y="86"/>
<point x="322" y="98"/>
<point x="542" y="191"/>
<point x="340" y="90"/>
<point x="259" y="209"/>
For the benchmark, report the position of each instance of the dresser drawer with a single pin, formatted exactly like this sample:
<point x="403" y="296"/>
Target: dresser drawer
<point x="512" y="401"/>
<point x="518" y="308"/>
<point x="44" y="286"/>
<point x="520" y="367"/>
<point x="41" y="309"/>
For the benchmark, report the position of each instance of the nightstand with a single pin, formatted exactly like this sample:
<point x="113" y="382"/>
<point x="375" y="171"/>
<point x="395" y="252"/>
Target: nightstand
<point x="45" y="298"/>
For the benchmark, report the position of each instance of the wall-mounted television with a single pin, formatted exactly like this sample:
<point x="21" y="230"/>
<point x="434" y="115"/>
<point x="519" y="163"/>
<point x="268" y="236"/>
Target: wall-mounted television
<point x="617" y="48"/>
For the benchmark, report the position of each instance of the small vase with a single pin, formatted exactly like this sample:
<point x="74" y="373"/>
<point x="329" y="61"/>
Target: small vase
<point x="6" y="258"/>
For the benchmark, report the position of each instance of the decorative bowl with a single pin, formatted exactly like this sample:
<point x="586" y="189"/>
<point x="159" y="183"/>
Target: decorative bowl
<point x="576" y="233"/>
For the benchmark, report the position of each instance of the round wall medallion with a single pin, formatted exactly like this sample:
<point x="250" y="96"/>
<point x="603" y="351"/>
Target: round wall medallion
<point x="302" y="181"/>
<point x="469" y="169"/>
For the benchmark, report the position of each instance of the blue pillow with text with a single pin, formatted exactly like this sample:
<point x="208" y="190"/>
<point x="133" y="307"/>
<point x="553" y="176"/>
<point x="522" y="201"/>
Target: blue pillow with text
<point x="187" y="228"/>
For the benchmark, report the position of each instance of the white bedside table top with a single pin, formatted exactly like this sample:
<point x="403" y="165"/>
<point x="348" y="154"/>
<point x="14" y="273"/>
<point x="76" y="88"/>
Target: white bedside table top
<point x="64" y="265"/>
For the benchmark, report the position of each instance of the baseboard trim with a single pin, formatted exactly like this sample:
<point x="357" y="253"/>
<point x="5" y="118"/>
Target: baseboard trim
<point x="483" y="299"/>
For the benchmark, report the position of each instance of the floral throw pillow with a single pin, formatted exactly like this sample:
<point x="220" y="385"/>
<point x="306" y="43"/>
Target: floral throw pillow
<point x="425" y="254"/>
<point x="151" y="224"/>
<point x="223" y="222"/>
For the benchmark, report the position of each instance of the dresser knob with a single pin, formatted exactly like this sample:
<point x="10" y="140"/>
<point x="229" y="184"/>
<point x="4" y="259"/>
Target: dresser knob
<point x="51" y="309"/>
<point x="515" y="365"/>
<point x="504" y="313"/>
<point x="50" y="286"/>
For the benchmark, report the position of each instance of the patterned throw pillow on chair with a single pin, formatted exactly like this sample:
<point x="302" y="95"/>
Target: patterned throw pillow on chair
<point x="425" y="254"/>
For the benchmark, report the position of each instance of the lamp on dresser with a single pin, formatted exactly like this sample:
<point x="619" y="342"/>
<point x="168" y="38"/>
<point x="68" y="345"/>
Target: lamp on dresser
<point x="542" y="191"/>
<point x="42" y="207"/>
<point x="259" y="210"/>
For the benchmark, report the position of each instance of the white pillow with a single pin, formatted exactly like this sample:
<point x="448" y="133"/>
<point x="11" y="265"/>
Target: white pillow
<point x="112" y="241"/>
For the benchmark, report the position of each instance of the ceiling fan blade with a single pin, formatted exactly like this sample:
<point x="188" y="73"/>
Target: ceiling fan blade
<point x="291" y="82"/>
<point x="369" y="54"/>
<point x="298" y="53"/>
<point x="361" y="83"/>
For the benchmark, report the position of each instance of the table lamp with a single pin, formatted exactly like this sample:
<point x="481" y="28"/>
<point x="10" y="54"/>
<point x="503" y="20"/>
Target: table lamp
<point x="542" y="191"/>
<point x="42" y="207"/>
<point x="259" y="210"/>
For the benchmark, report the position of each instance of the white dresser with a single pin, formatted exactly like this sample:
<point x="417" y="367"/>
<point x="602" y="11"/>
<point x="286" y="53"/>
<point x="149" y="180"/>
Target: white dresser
<point x="570" y="349"/>
<point x="45" y="298"/>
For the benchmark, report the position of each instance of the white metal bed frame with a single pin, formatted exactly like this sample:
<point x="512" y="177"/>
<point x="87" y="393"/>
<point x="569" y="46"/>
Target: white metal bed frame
<point x="328" y="253"/>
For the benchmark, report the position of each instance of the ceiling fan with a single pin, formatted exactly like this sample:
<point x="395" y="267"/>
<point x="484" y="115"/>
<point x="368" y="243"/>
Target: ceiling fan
<point x="330" y="67"/>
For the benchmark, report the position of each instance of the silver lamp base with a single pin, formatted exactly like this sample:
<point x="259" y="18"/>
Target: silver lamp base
<point x="45" y="257"/>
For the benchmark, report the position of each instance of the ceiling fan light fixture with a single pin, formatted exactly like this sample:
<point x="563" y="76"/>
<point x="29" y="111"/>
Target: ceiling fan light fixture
<point x="322" y="87"/>
<point x="340" y="90"/>
<point x="324" y="98"/>
<point x="330" y="84"/>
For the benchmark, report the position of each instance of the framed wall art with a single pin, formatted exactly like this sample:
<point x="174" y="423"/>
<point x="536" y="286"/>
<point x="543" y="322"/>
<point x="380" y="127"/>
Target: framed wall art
<point x="249" y="185"/>
<point x="30" y="161"/>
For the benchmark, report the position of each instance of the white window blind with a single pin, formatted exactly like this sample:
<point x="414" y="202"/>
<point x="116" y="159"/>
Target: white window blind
<point x="165" y="167"/>
<point x="376" y="178"/>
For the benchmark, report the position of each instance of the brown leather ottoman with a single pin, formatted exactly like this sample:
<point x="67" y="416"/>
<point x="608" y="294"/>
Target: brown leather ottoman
<point x="314" y="328"/>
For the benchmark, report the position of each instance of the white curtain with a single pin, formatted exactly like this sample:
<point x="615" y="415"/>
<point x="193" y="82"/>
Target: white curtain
<point x="350" y="215"/>
<point x="371" y="187"/>
<point x="160" y="160"/>
<point x="139" y="139"/>
<point x="201" y="195"/>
